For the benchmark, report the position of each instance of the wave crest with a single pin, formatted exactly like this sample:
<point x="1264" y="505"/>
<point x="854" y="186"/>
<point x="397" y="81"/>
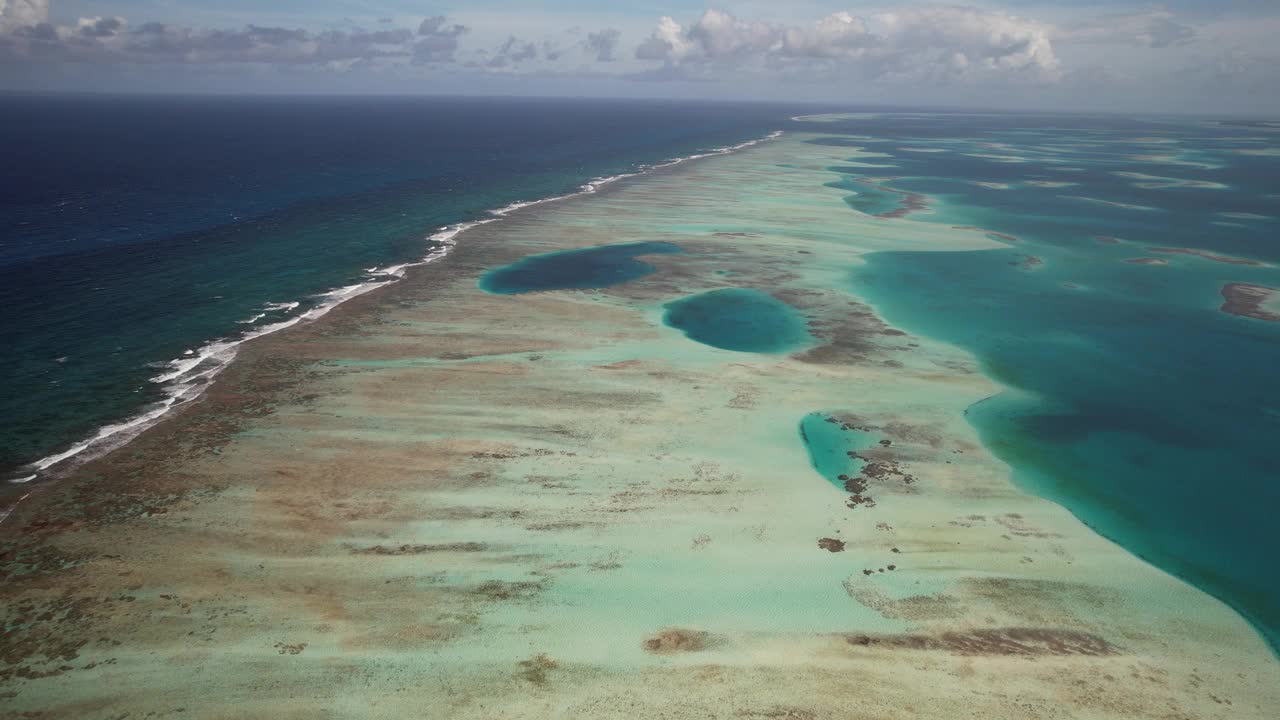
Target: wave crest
<point x="185" y="378"/>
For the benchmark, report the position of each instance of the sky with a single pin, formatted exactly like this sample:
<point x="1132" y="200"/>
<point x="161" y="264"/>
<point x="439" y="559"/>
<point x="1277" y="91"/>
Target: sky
<point x="1183" y="56"/>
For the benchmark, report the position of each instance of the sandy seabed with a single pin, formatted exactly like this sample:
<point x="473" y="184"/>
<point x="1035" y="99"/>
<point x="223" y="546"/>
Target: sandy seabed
<point x="436" y="502"/>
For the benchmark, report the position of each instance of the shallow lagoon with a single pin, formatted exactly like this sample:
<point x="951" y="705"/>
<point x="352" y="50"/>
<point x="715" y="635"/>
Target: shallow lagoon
<point x="830" y="444"/>
<point x="1134" y="400"/>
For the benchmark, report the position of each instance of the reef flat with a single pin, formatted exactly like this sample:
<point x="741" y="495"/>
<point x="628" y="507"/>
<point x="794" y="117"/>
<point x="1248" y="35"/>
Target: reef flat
<point x="1253" y="301"/>
<point x="442" y="501"/>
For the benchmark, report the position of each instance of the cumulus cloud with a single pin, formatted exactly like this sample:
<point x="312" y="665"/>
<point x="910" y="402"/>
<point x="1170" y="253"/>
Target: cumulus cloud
<point x="917" y="43"/>
<point x="970" y="38"/>
<point x="1155" y="28"/>
<point x="669" y="42"/>
<point x="837" y="35"/>
<point x="917" y="53"/>
<point x="22" y="13"/>
<point x="719" y="34"/>
<point x="112" y="40"/>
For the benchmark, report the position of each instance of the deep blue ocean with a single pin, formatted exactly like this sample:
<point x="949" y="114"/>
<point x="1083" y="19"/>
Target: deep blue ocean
<point x="134" y="230"/>
<point x="1132" y="398"/>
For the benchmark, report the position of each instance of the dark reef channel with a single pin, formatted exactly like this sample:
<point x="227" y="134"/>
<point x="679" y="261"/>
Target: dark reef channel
<point x="739" y="319"/>
<point x="593" y="267"/>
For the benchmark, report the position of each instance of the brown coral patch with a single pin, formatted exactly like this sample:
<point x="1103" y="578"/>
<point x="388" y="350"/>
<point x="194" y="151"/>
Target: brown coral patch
<point x="1246" y="300"/>
<point x="910" y="202"/>
<point x="677" y="640"/>
<point x="831" y="545"/>
<point x="536" y="669"/>
<point x="1013" y="641"/>
<point x="848" y="332"/>
<point x="502" y="590"/>
<point x="420" y="549"/>
<point x="1227" y="259"/>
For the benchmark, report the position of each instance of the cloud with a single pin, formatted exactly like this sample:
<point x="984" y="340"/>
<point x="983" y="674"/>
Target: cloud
<point x="719" y="34"/>
<point x="112" y="40"/>
<point x="513" y="52"/>
<point x="932" y="43"/>
<point x="668" y="42"/>
<point x="968" y="38"/>
<point x="837" y="35"/>
<point x="437" y="42"/>
<point x="1155" y="28"/>
<point x="22" y="13"/>
<point x="907" y="54"/>
<point x="603" y="44"/>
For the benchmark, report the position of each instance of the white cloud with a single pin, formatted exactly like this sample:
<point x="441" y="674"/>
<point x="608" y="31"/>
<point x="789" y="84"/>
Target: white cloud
<point x="22" y="13"/>
<point x="112" y="40"/>
<point x="668" y="43"/>
<point x="719" y="34"/>
<point x="837" y="35"/>
<point x="918" y="43"/>
<point x="970" y="39"/>
<point x="916" y="54"/>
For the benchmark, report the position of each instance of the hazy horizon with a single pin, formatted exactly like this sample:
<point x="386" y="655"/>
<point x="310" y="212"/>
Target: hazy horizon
<point x="1186" y="57"/>
<point x="831" y="106"/>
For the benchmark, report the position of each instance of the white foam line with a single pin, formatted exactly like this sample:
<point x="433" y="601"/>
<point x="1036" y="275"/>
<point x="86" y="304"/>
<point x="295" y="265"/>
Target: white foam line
<point x="14" y="506"/>
<point x="594" y="185"/>
<point x="188" y="376"/>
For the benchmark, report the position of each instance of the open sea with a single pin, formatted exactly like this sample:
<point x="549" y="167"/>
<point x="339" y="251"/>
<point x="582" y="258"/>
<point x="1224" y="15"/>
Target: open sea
<point x="140" y="239"/>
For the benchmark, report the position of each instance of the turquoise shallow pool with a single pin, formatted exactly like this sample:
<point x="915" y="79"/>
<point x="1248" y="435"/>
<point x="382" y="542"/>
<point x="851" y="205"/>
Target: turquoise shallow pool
<point x="830" y="442"/>
<point x="740" y="319"/>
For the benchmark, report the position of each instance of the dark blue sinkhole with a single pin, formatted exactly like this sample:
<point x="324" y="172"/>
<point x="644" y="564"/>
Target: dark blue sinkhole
<point x="593" y="267"/>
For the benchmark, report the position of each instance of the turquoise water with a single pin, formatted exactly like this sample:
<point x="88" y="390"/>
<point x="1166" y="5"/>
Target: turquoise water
<point x="829" y="443"/>
<point x="866" y="197"/>
<point x="582" y="269"/>
<point x="1132" y="399"/>
<point x="739" y="319"/>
